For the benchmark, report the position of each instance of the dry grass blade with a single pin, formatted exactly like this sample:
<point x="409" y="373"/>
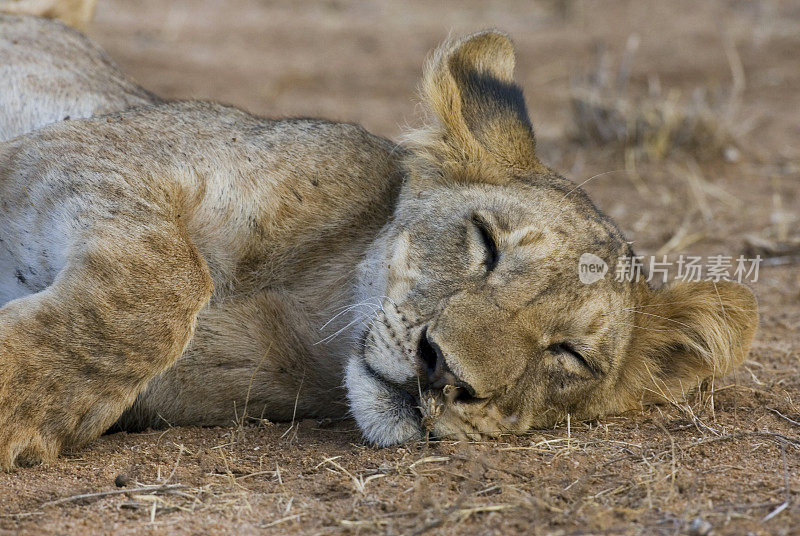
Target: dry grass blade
<point x="359" y="482"/>
<point x="607" y="112"/>
<point x="430" y="459"/>
<point x="363" y="524"/>
<point x="465" y="513"/>
<point x="681" y="239"/>
<point x="282" y="520"/>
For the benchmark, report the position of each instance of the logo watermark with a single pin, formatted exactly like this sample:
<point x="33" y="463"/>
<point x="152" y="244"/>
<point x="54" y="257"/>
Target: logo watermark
<point x="592" y="268"/>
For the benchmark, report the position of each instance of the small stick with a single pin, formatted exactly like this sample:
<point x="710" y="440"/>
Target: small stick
<point x="788" y="493"/>
<point x="773" y="435"/>
<point x="99" y="494"/>
<point x="784" y="417"/>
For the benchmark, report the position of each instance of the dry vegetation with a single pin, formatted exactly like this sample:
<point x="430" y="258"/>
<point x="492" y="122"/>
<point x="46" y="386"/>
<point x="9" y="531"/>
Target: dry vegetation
<point x="687" y="135"/>
<point x="652" y="122"/>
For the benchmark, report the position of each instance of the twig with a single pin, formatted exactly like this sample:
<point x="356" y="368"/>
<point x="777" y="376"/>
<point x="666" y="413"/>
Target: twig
<point x="99" y="494"/>
<point x="772" y="435"/>
<point x="788" y="490"/>
<point x="784" y="417"/>
<point x="783" y="506"/>
<point x="20" y="515"/>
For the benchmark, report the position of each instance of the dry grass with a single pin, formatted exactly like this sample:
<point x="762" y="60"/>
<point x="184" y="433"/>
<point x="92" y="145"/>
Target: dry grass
<point x="608" y="111"/>
<point x="634" y="479"/>
<point x="673" y="469"/>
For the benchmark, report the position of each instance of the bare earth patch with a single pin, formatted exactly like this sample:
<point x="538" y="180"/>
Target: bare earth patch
<point x="727" y="461"/>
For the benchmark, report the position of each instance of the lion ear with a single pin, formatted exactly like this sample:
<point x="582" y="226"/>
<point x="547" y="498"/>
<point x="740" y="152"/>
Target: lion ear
<point x="690" y="331"/>
<point x="480" y="112"/>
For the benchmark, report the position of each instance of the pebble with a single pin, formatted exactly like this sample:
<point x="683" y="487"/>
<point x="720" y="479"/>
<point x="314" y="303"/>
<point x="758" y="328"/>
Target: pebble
<point x="700" y="527"/>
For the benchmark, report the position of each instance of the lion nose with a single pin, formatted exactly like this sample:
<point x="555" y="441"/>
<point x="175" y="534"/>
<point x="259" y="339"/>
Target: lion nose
<point x="437" y="373"/>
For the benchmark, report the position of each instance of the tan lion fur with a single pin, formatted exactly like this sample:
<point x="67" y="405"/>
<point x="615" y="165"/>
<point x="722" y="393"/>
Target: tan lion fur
<point x="334" y="256"/>
<point x="49" y="73"/>
<point x="76" y="13"/>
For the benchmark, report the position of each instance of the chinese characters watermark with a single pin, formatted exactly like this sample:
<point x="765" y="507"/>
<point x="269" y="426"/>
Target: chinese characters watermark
<point x="592" y="268"/>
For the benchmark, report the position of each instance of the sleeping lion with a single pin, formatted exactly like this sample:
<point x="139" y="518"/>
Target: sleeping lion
<point x="185" y="262"/>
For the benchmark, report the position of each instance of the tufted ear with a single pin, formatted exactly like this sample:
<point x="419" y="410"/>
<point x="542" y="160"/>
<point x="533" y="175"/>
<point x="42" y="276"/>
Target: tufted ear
<point x="688" y="332"/>
<point x="482" y="130"/>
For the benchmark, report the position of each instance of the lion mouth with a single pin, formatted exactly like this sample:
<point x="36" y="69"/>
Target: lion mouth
<point x="432" y="399"/>
<point x="408" y="398"/>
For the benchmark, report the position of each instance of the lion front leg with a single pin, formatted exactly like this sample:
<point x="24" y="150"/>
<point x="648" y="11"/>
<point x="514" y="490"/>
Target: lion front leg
<point x="74" y="356"/>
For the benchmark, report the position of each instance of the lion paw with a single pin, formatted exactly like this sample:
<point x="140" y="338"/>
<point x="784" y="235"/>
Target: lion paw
<point x="25" y="446"/>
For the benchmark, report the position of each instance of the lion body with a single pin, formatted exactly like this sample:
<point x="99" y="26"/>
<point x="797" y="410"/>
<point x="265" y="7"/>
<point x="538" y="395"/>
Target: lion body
<point x="50" y="73"/>
<point x="279" y="224"/>
<point x="188" y="263"/>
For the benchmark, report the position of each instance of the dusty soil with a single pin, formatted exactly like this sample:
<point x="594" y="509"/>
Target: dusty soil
<point x="728" y="462"/>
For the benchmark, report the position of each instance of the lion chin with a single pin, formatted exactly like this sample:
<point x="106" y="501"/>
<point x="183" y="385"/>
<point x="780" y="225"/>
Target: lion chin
<point x="386" y="414"/>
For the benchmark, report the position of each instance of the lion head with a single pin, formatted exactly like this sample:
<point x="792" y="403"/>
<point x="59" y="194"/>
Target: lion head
<point x="483" y="324"/>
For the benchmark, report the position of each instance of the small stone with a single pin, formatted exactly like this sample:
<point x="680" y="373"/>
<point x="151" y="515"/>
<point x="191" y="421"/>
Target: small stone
<point x="731" y="154"/>
<point x="122" y="480"/>
<point x="700" y="527"/>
